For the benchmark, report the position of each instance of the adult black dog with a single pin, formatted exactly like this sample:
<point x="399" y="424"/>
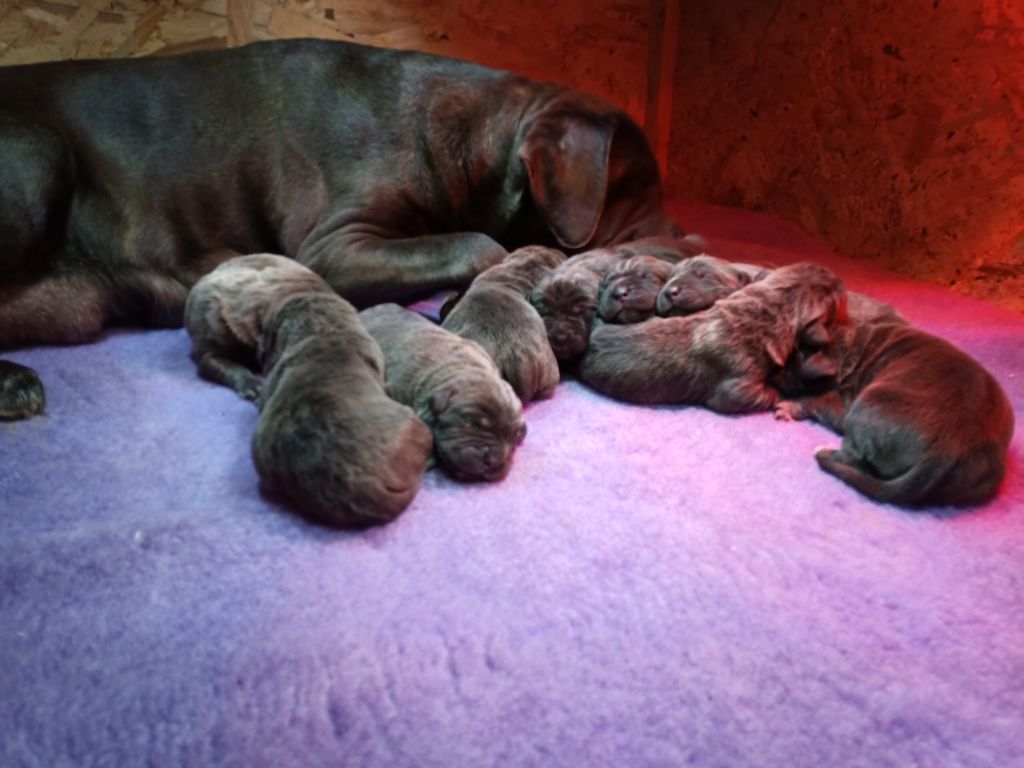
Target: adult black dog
<point x="389" y="173"/>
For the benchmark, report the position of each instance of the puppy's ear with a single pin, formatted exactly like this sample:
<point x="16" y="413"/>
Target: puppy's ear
<point x="566" y="154"/>
<point x="778" y="351"/>
<point x="820" y="365"/>
<point x="814" y="334"/>
<point x="441" y="399"/>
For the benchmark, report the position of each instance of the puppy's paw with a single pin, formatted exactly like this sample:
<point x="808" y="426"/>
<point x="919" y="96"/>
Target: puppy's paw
<point x="824" y="452"/>
<point x="788" y="410"/>
<point x="21" y="392"/>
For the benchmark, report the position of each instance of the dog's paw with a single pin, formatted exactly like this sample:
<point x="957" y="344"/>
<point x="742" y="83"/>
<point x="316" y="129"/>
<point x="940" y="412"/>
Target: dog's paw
<point x="787" y="410"/>
<point x="21" y="392"/>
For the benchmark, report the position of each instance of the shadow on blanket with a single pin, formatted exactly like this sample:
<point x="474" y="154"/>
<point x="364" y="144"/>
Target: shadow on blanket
<point x="647" y="587"/>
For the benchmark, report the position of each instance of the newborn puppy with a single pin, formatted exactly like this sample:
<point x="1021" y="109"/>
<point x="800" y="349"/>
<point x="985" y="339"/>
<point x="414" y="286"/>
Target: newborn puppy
<point x="723" y="357"/>
<point x="629" y="292"/>
<point x="328" y="436"/>
<point x="454" y="386"/>
<point x="494" y="312"/>
<point x="567" y="298"/>
<point x="699" y="282"/>
<point x="922" y="423"/>
<point x="226" y="308"/>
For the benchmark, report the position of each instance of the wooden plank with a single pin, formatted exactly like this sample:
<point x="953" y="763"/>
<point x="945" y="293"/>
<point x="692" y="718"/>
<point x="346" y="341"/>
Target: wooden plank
<point x="84" y="16"/>
<point x="239" y="22"/>
<point x="144" y="29"/>
<point x="661" y="65"/>
<point x="287" y="24"/>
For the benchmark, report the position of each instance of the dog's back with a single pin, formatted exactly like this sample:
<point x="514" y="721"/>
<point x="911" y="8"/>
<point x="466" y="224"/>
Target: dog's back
<point x="328" y="437"/>
<point x="926" y="423"/>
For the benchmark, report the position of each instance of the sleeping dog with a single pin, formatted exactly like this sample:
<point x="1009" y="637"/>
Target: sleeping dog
<point x="628" y="293"/>
<point x="568" y="298"/>
<point x="721" y="358"/>
<point x="226" y="309"/>
<point x="390" y="173"/>
<point x="474" y="415"/>
<point x="697" y="283"/>
<point x="328" y="436"/>
<point x="922" y="423"/>
<point x="494" y="312"/>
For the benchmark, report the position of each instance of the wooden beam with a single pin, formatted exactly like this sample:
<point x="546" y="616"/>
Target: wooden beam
<point x="661" y="66"/>
<point x="239" y="22"/>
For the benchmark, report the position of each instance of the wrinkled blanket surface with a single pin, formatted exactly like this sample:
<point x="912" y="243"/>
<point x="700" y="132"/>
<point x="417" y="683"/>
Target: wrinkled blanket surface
<point x="648" y="587"/>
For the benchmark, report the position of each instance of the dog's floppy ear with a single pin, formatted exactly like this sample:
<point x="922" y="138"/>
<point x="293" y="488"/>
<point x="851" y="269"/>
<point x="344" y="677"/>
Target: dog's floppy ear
<point x="440" y="399"/>
<point x="820" y="365"/>
<point x="819" y="316"/>
<point x="566" y="156"/>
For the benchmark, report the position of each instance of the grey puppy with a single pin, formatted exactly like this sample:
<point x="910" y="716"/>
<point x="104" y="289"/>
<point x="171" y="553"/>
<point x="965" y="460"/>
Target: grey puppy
<point x="628" y="293"/>
<point x="568" y="297"/>
<point x="494" y="312"/>
<point x="922" y="422"/>
<point x="723" y="357"/>
<point x="452" y="383"/>
<point x="328" y="437"/>
<point x="226" y="309"/>
<point x="699" y="282"/>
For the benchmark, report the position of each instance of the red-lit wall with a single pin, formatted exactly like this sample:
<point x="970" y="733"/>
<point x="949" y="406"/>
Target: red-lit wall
<point x="894" y="130"/>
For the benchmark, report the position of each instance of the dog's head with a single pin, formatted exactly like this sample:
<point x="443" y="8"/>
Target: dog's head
<point x="477" y="422"/>
<point x="592" y="174"/>
<point x="698" y="282"/>
<point x="629" y="292"/>
<point x="567" y="303"/>
<point x="812" y="301"/>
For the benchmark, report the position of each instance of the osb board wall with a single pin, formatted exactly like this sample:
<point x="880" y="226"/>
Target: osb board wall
<point x="894" y="130"/>
<point x="598" y="45"/>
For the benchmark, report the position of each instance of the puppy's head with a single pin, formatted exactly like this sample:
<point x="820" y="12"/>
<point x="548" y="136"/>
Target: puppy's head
<point x="567" y="303"/>
<point x="628" y="293"/>
<point x="813" y="302"/>
<point x="332" y="441"/>
<point x="698" y="282"/>
<point x="591" y="172"/>
<point x="477" y="422"/>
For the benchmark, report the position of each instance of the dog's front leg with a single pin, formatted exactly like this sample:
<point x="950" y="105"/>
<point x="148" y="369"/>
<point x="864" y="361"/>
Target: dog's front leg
<point x="739" y="395"/>
<point x="370" y="269"/>
<point x="827" y="409"/>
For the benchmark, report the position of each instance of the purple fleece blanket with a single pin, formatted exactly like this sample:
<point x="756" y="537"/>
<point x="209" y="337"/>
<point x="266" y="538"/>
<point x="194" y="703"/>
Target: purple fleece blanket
<point x="648" y="587"/>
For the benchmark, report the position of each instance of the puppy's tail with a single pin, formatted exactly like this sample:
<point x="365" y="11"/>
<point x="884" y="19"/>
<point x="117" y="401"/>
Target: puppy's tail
<point x="938" y="481"/>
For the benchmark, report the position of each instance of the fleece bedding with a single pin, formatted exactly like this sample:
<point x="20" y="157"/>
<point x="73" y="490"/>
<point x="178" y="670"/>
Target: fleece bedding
<point x="650" y="586"/>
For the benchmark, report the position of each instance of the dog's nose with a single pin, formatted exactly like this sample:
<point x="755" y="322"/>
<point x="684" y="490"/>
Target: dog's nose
<point x="621" y="291"/>
<point x="673" y="292"/>
<point x="559" y="337"/>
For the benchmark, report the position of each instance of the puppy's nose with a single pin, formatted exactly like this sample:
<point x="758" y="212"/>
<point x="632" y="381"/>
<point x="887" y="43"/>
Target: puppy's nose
<point x="558" y="337"/>
<point x="673" y="292"/>
<point x="621" y="291"/>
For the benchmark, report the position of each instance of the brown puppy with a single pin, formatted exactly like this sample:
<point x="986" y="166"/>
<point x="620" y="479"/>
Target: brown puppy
<point x="628" y="293"/>
<point x="328" y="437"/>
<point x="567" y="298"/>
<point x="723" y="357"/>
<point x="226" y="309"/>
<point x="454" y="386"/>
<point x="699" y="282"/>
<point x="922" y="423"/>
<point x="494" y="312"/>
